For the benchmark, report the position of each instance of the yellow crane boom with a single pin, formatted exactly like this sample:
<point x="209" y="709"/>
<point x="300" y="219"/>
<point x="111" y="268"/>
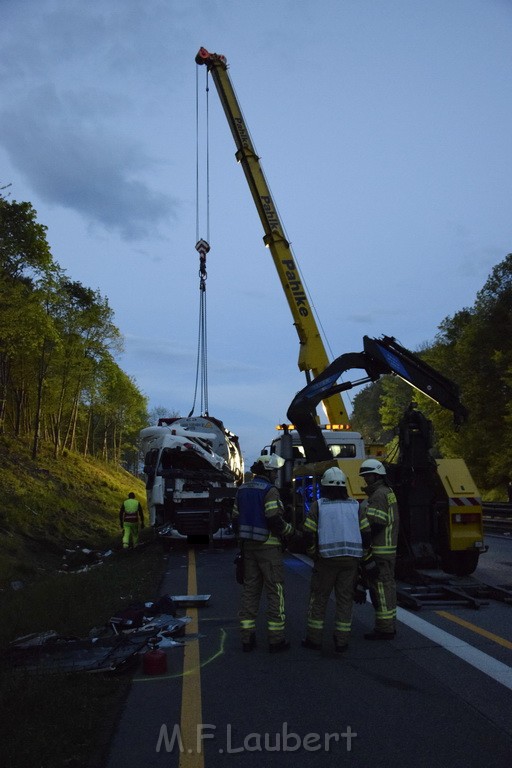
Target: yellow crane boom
<point x="313" y="358"/>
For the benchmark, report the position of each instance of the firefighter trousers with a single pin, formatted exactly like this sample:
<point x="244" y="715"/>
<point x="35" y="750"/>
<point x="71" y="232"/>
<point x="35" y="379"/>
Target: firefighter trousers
<point x="383" y="595"/>
<point x="340" y="574"/>
<point x="130" y="535"/>
<point x="263" y="567"/>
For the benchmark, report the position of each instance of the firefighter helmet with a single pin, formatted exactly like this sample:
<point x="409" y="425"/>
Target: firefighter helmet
<point x="270" y="462"/>
<point x="372" y="467"/>
<point x="334" y="477"/>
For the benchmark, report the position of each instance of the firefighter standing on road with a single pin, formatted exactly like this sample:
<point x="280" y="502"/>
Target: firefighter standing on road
<point x="382" y="513"/>
<point x="337" y="533"/>
<point x="129" y="515"/>
<point x="258" y="516"/>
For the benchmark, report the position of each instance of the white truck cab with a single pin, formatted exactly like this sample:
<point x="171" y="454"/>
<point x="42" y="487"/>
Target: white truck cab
<point x="343" y="444"/>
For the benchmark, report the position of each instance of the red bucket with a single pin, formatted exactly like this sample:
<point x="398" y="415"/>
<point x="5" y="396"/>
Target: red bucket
<point x="154" y="662"/>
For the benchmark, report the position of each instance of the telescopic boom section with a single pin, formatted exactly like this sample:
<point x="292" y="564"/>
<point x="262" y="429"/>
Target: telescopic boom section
<point x="313" y="357"/>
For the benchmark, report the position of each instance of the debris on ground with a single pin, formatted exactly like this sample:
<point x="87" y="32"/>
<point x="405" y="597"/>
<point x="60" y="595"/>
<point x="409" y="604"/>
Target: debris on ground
<point x="113" y="647"/>
<point x="82" y="559"/>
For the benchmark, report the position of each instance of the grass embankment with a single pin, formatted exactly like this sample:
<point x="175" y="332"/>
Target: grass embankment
<point x="47" y="507"/>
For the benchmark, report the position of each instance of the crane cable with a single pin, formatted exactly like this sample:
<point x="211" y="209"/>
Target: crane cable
<point x="202" y="247"/>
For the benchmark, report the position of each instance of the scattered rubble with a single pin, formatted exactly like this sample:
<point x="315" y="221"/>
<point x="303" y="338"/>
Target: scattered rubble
<point x="113" y="647"/>
<point x="82" y="559"/>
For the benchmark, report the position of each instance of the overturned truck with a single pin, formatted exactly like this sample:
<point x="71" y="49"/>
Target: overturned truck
<point x="193" y="466"/>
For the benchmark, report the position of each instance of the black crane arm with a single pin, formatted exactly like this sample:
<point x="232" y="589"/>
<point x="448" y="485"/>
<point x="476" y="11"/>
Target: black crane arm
<point x="380" y="356"/>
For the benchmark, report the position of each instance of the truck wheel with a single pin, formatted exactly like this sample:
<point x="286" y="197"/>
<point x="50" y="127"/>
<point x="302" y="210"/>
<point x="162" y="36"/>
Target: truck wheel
<point x="461" y="563"/>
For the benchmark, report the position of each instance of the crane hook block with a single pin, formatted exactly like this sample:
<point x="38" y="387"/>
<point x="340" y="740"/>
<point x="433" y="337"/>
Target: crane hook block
<point x="202" y="248"/>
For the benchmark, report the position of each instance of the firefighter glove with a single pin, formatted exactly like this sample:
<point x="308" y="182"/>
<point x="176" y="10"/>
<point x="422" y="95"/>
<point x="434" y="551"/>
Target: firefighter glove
<point x="371" y="569"/>
<point x="359" y="594"/>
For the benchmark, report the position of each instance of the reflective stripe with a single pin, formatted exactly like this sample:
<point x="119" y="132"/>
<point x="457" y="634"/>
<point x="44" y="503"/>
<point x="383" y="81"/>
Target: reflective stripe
<point x="383" y="551"/>
<point x="315" y="624"/>
<point x="248" y="623"/>
<point x="253" y="532"/>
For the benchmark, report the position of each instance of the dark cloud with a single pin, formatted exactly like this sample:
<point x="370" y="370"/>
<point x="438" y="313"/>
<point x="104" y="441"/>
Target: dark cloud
<point x="81" y="85"/>
<point x="72" y="157"/>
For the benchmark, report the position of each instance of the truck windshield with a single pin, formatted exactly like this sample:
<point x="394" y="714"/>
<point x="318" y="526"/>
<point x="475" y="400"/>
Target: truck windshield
<point x="343" y="451"/>
<point x="338" y="451"/>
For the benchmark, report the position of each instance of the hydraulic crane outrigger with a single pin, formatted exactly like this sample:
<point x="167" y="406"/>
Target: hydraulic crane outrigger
<point x="313" y="358"/>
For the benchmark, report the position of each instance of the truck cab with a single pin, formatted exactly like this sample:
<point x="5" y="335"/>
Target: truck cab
<point x="342" y="444"/>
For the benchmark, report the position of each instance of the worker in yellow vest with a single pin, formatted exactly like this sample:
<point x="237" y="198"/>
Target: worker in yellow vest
<point x="129" y="515"/>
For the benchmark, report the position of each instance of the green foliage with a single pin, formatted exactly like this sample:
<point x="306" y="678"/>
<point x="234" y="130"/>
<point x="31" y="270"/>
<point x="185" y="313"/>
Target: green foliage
<point x="50" y="504"/>
<point x="366" y="414"/>
<point x="474" y="349"/>
<point x="58" y="379"/>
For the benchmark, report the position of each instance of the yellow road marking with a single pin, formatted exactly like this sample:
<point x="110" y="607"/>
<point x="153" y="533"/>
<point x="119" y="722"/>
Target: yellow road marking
<point x="191" y="708"/>
<point x="478" y="630"/>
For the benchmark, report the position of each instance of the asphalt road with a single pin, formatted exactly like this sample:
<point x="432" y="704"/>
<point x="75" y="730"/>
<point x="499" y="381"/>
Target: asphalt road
<point x="439" y="695"/>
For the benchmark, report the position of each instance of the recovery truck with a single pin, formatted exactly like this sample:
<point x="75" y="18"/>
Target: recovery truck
<point x="193" y="466"/>
<point x="440" y="508"/>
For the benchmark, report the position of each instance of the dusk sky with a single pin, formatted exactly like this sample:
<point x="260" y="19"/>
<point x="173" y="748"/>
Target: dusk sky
<point x="383" y="128"/>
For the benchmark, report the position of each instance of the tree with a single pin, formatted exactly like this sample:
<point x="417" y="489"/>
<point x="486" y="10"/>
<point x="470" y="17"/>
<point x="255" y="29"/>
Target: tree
<point x="479" y="345"/>
<point x="58" y="378"/>
<point x="160" y="412"/>
<point x="366" y="417"/>
<point x="25" y="265"/>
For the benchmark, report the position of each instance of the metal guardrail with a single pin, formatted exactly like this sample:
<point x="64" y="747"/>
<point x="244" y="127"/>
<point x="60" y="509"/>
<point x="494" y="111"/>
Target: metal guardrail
<point x="497" y="508"/>
<point x="497" y="516"/>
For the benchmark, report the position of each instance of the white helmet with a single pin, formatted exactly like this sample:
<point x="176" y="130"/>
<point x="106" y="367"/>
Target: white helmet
<point x="372" y="467"/>
<point x="334" y="477"/>
<point x="270" y="462"/>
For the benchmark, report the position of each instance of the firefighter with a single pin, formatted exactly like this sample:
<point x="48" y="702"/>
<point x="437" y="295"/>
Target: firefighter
<point x="258" y="518"/>
<point x="129" y="515"/>
<point x="382" y="513"/>
<point x="337" y="534"/>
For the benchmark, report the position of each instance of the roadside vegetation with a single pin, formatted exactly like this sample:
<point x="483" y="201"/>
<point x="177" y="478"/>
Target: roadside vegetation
<point x="51" y="510"/>
<point x="473" y="348"/>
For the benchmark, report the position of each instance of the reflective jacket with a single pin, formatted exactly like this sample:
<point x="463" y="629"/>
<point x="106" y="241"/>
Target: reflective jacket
<point x="336" y="528"/>
<point x="258" y="513"/>
<point x="250" y="504"/>
<point x="130" y="511"/>
<point x="382" y="511"/>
